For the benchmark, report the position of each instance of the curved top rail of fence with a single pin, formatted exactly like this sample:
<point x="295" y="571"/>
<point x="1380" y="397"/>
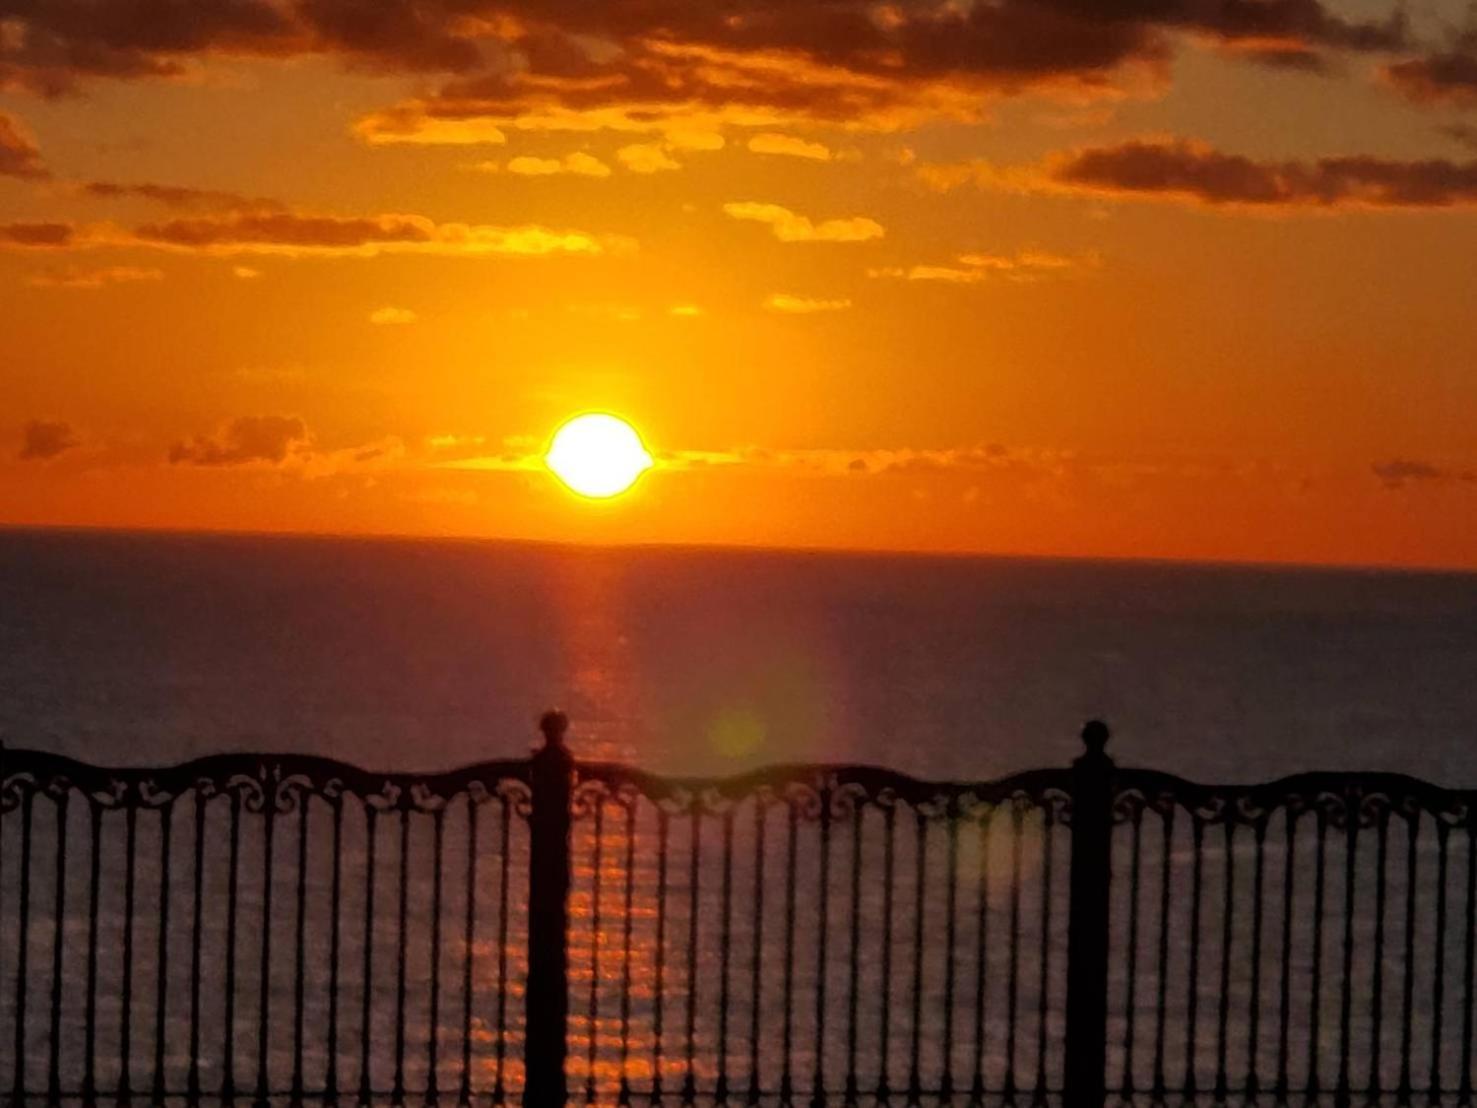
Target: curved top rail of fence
<point x="842" y="787"/>
<point x="1366" y="798"/>
<point x="257" y="779"/>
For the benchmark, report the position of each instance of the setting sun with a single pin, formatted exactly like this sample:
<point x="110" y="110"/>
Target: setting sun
<point x="597" y="455"/>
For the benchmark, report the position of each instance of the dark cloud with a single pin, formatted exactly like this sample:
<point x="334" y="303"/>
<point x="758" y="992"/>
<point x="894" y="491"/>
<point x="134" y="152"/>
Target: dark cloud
<point x="44" y="439"/>
<point x="284" y="232"/>
<point x="1399" y="472"/>
<point x="1188" y="171"/>
<point x="179" y="197"/>
<point x="262" y="439"/>
<point x="750" y="60"/>
<point x="287" y="229"/>
<point x="1448" y="77"/>
<point x="19" y="155"/>
<point x="37" y="234"/>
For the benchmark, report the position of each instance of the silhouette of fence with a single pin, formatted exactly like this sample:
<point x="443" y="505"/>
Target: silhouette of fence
<point x="292" y="930"/>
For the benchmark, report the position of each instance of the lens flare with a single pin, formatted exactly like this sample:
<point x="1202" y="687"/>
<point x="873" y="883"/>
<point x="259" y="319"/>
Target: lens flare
<point x="597" y="455"/>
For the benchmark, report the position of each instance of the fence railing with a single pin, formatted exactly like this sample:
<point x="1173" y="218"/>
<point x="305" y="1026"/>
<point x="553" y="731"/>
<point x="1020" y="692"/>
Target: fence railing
<point x="292" y="930"/>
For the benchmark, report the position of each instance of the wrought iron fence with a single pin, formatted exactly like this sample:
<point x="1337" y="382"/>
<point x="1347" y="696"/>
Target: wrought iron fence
<point x="291" y="930"/>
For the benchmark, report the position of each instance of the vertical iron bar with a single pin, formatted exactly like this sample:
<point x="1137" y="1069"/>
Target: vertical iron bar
<point x="889" y="820"/>
<point x="1315" y="992"/>
<point x="1012" y="1001"/>
<point x="1465" y="1088"/>
<point x="663" y="835"/>
<point x="1346" y="991"/>
<point x="371" y="840"/>
<point x="330" y="1083"/>
<point x="1223" y="1013"/>
<point x="756" y="962"/>
<point x="59" y="915"/>
<point x="920" y="880"/>
<point x="1288" y="866"/>
<point x="433" y="1032"/>
<point x="469" y="927"/>
<point x="1377" y="987"/>
<point x="300" y="959"/>
<point x="951" y="897"/>
<point x="1130" y="1000"/>
<point x="547" y="995"/>
<point x="228" y="1053"/>
<point x="818" y="1085"/>
<point x="1087" y="931"/>
<point x="1161" y="1008"/>
<point x="786" y="1076"/>
<point x="125" y="1004"/>
<point x="597" y="861"/>
<point x="981" y="958"/>
<point x="499" y="1091"/>
<point x="854" y="959"/>
<point x="624" y="1095"/>
<point x="161" y="991"/>
<point x="23" y="945"/>
<point x="1438" y="973"/>
<point x="1192" y="999"/>
<point x="1048" y="822"/>
<point x="694" y="870"/>
<point x="1254" y="1007"/>
<point x="725" y="939"/>
<point x="89" y="1030"/>
<point x="192" y="1080"/>
<point x="263" y="1052"/>
<point x="1403" y="1091"/>
<point x="397" y="1089"/>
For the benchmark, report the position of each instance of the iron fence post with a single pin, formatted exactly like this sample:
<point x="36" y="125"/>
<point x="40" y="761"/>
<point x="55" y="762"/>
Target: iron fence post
<point x="547" y="999"/>
<point x="1087" y="935"/>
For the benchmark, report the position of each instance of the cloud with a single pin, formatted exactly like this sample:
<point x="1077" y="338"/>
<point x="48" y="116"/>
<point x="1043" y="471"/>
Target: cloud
<point x="390" y="317"/>
<point x="301" y="234"/>
<point x="970" y="269"/>
<point x="787" y="226"/>
<point x="771" y="143"/>
<point x="804" y="305"/>
<point x="94" y="278"/>
<point x="41" y="236"/>
<point x="245" y="440"/>
<point x="1444" y="78"/>
<point x="1397" y="473"/>
<point x="646" y="157"/>
<point x="646" y="65"/>
<point x="579" y="164"/>
<point x="180" y="197"/>
<point x="1190" y="171"/>
<point x="44" y="439"/>
<point x="1187" y="171"/>
<point x="408" y="126"/>
<point x="19" y="154"/>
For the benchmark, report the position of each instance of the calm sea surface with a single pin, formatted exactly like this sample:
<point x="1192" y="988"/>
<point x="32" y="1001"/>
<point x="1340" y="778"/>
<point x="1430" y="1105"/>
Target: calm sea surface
<point x="419" y="655"/>
<point x="404" y="654"/>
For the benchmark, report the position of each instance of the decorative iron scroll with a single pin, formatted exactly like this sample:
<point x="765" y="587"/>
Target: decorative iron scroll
<point x="838" y="790"/>
<point x="259" y="780"/>
<point x="1360" y="799"/>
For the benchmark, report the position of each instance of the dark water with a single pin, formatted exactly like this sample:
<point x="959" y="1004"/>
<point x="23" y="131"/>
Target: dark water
<point x="136" y="648"/>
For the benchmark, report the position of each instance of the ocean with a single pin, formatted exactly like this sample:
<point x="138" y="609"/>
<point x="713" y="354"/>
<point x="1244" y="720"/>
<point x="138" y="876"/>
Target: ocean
<point x="753" y="943"/>
<point x="410" y="654"/>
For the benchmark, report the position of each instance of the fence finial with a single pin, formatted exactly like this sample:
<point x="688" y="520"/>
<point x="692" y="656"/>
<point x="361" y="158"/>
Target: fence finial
<point x="1095" y="735"/>
<point x="553" y="724"/>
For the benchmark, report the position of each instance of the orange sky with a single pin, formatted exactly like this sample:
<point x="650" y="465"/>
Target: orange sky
<point x="1173" y="279"/>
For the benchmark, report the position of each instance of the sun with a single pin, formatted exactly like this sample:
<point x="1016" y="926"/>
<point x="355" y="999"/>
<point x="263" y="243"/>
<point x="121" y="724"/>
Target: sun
<point x="597" y="455"/>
